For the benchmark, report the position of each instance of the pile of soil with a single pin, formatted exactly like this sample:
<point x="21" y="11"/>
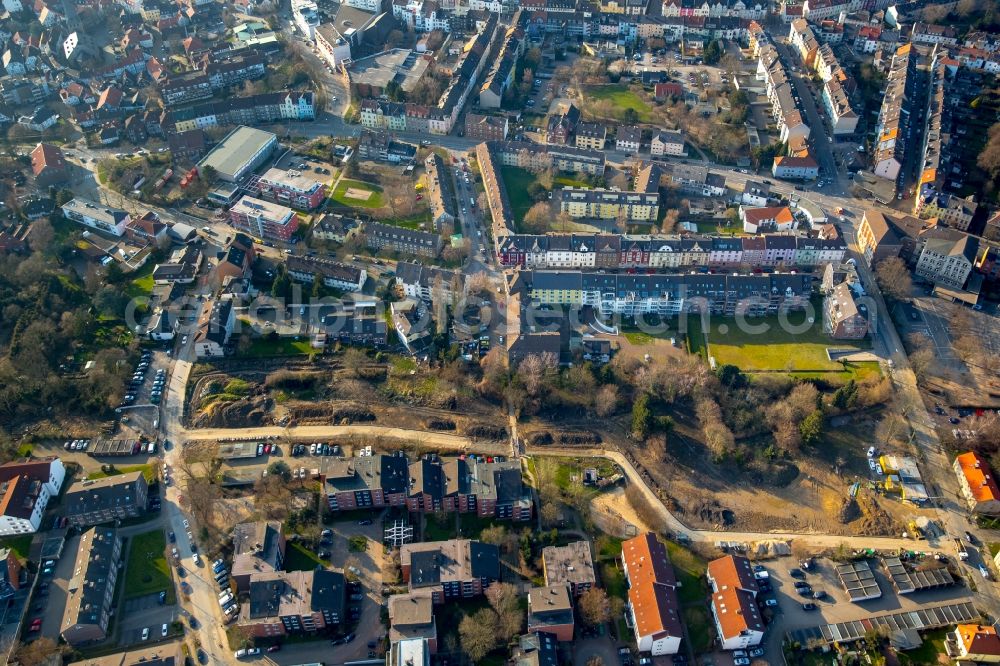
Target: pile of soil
<point x="579" y="438"/>
<point x="247" y="413"/>
<point x="352" y="413"/>
<point x="439" y="424"/>
<point x="849" y="511"/>
<point x="713" y="513"/>
<point x="487" y="432"/>
<point x="874" y="520"/>
<point x="541" y="438"/>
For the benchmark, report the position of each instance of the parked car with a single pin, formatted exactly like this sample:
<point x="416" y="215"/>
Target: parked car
<point x="809" y="606"/>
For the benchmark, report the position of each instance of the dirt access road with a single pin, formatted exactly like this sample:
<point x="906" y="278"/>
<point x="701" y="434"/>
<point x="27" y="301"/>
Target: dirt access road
<point x="429" y="438"/>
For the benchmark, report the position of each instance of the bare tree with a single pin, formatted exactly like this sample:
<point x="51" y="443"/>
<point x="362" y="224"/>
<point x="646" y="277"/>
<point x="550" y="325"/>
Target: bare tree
<point x="594" y="607"/>
<point x="477" y="633"/>
<point x="538" y="217"/>
<point x="38" y="652"/>
<point x="670" y="221"/>
<point x="535" y="371"/>
<point x="606" y="400"/>
<point x="893" y="278"/>
<point x="504" y="599"/>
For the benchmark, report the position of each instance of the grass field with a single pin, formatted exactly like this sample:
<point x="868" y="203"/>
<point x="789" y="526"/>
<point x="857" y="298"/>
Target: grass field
<point x="412" y="222"/>
<point x="148" y="571"/>
<point x="567" y="181"/>
<point x="517" y="181"/>
<point x="778" y="349"/>
<point x="19" y="544"/>
<point x="147" y="472"/>
<point x="622" y="98"/>
<point x="340" y="194"/>
<point x="929" y="652"/>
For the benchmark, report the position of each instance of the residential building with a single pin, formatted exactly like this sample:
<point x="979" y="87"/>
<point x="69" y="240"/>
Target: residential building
<point x="365" y="482"/>
<point x="843" y="318"/>
<point x="490" y="489"/>
<point x="950" y="210"/>
<point x="604" y="204"/>
<point x="928" y="33"/>
<point x="409" y="652"/>
<point x="978" y="484"/>
<point x="570" y="564"/>
<point x="802" y="38"/>
<point x="652" y="595"/>
<point x="92" y="502"/>
<point x="240" y="153"/>
<point x="550" y="610"/>
<point x="263" y="219"/>
<point x="426" y="283"/>
<point x="837" y="103"/>
<point x="591" y="136"/>
<point x="97" y="216"/>
<point x="90" y="592"/>
<point x="893" y="127"/>
<point x="293" y="602"/>
<point x="25" y="490"/>
<point x="215" y="327"/>
<point x="292" y="187"/>
<point x="258" y="547"/>
<point x="776" y="218"/>
<point x="560" y="126"/>
<point x="335" y="275"/>
<point x="357" y="323"/>
<point x="947" y="257"/>
<point x="456" y="569"/>
<point x="10" y="574"/>
<point x="537" y="648"/>
<point x="48" y="165"/>
<point x="738" y="623"/>
<point x="795" y="168"/>
<point x="876" y="239"/>
<point x="188" y="146"/>
<point x="440" y="192"/>
<point x="667" y="143"/>
<point x="411" y="617"/>
<point x="755" y="194"/>
<point x="486" y="128"/>
<point x="397" y="239"/>
<point x="335" y="227"/>
<point x="628" y="139"/>
<point x="973" y="644"/>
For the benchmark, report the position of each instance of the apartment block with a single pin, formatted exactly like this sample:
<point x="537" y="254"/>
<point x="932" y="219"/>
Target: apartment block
<point x="448" y="570"/>
<point x="893" y="128"/>
<point x="738" y="622"/>
<point x="263" y="219"/>
<point x="92" y="502"/>
<point x="91" y="590"/>
<point x="571" y="565"/>
<point x="25" y="490"/>
<point x="652" y="595"/>
<point x="978" y="484"/>
<point x="293" y="602"/>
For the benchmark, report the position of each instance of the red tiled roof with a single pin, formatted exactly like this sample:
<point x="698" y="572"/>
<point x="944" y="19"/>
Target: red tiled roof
<point x="46" y="156"/>
<point x="652" y="586"/>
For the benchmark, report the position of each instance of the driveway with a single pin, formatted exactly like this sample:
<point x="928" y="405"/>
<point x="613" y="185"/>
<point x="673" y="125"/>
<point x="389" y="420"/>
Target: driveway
<point x="55" y="600"/>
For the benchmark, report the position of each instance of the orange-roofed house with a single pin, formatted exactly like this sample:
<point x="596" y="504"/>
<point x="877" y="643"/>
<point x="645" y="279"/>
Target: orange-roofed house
<point x="652" y="595"/>
<point x="772" y="218"/>
<point x="974" y="643"/>
<point x="734" y="606"/>
<point x="978" y="484"/>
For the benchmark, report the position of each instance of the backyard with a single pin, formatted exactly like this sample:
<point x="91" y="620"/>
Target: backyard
<point x="357" y="194"/>
<point x="621" y="98"/>
<point x="299" y="558"/>
<point x="772" y="345"/>
<point x="142" y="281"/>
<point x="517" y="182"/>
<point x="147" y="472"/>
<point x="148" y="571"/>
<point x="19" y="544"/>
<point x="267" y="346"/>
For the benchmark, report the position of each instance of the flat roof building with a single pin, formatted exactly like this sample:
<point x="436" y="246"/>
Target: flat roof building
<point x="859" y="581"/>
<point x="263" y="219"/>
<point x="571" y="564"/>
<point x="92" y="502"/>
<point x="240" y="153"/>
<point x="258" y="547"/>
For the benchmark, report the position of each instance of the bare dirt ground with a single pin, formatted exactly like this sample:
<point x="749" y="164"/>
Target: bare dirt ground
<point x="612" y="506"/>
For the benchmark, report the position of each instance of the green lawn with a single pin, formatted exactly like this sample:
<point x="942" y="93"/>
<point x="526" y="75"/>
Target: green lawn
<point x="776" y="349"/>
<point x="699" y="626"/>
<point x="516" y="181"/>
<point x="19" y="544"/>
<point x="142" y="281"/>
<point x="613" y="581"/>
<point x="412" y="222"/>
<point x="264" y="347"/>
<point x="147" y="472"/>
<point x="148" y="571"/>
<point x="689" y="568"/>
<point x="300" y="558"/>
<point x="439" y="530"/>
<point x="568" y="181"/>
<point x="622" y="98"/>
<point x="373" y="201"/>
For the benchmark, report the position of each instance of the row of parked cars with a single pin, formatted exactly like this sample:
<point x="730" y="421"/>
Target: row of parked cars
<point x="316" y="449"/>
<point x="77" y="445"/>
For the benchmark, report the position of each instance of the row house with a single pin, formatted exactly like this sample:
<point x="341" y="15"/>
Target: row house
<point x="928" y="33"/>
<point x="601" y="204"/>
<point x="757" y="38"/>
<point x="893" y="127"/>
<point x="427" y="283"/>
<point x="667" y="294"/>
<point x="333" y="274"/>
<point x="801" y="36"/>
<point x="867" y="38"/>
<point x="250" y="110"/>
<point x="748" y="9"/>
<point x="784" y="109"/>
<point x="486" y="128"/>
<point x="186" y="88"/>
<point x="817" y="10"/>
<point x="501" y="74"/>
<point x="607" y="251"/>
<point x="628" y="139"/>
<point x="837" y="103"/>
<point x="235" y="70"/>
<point x="830" y="31"/>
<point x="697" y="180"/>
<point x="738" y="622"/>
<point x="397" y="239"/>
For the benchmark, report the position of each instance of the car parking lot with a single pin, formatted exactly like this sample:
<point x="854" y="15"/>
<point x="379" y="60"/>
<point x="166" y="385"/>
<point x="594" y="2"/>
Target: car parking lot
<point x="836" y="606"/>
